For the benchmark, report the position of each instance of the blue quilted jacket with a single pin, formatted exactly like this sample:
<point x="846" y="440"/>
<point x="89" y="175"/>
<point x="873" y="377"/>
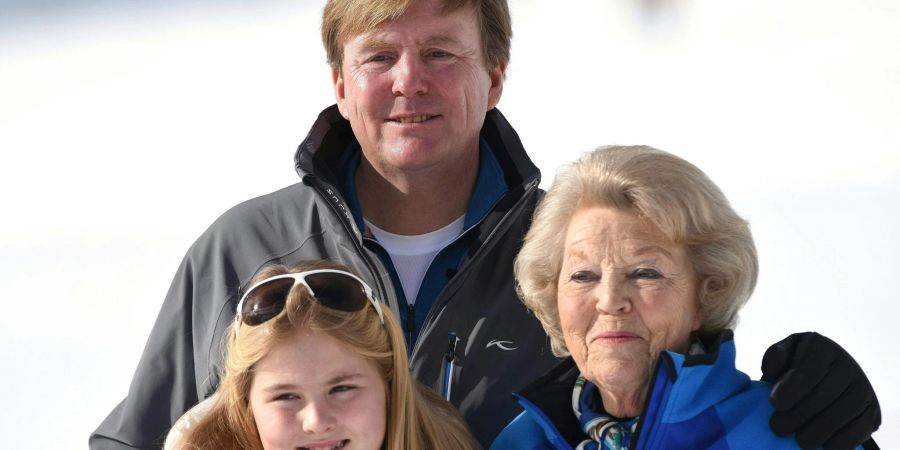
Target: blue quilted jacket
<point x="695" y="402"/>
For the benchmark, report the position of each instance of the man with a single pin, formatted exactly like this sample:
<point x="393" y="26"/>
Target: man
<point x="416" y="182"/>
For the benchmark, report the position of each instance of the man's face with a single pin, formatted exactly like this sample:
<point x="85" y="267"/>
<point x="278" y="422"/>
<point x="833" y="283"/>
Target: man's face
<point x="416" y="90"/>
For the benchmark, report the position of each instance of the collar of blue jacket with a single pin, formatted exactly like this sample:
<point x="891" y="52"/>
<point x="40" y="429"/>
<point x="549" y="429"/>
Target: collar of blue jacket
<point x="693" y="401"/>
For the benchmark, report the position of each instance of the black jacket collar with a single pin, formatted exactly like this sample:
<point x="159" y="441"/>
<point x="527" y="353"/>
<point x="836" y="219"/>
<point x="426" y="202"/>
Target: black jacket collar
<point x="552" y="392"/>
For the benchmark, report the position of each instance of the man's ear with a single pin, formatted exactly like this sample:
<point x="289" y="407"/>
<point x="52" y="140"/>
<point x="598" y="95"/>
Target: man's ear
<point x="497" y="75"/>
<point x="338" y="81"/>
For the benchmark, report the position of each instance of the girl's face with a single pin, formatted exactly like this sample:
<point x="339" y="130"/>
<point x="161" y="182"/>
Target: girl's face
<point x="311" y="392"/>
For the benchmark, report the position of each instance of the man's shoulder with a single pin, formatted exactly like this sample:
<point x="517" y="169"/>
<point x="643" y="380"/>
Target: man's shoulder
<point x="291" y="198"/>
<point x="273" y="222"/>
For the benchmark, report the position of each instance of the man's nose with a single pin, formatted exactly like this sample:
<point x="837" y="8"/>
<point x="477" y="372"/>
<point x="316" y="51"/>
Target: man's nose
<point x="410" y="76"/>
<point x="317" y="418"/>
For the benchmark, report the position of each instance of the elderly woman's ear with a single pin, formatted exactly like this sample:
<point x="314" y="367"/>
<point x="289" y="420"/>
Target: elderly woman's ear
<point x="711" y="286"/>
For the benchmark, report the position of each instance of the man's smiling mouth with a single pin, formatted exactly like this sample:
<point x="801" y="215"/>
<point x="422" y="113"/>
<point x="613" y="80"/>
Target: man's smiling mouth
<point x="413" y="119"/>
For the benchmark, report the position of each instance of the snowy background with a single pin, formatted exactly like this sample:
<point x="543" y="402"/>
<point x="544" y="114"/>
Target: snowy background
<point x="126" y="128"/>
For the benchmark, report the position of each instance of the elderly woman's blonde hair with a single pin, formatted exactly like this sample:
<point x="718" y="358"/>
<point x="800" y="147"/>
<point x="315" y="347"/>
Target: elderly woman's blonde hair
<point x="416" y="417"/>
<point x="669" y="192"/>
<point x="345" y="19"/>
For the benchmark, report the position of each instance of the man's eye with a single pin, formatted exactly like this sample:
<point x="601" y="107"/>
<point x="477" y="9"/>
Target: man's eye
<point x="584" y="276"/>
<point x="646" y="274"/>
<point x="438" y="54"/>
<point x="378" y="58"/>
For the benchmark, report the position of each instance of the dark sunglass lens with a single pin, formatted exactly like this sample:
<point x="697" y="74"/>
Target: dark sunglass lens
<point x="265" y="301"/>
<point x="337" y="291"/>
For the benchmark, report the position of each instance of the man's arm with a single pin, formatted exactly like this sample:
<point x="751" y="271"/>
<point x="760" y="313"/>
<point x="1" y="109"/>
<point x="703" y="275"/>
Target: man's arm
<point x="820" y="393"/>
<point x="182" y="360"/>
<point x="165" y="383"/>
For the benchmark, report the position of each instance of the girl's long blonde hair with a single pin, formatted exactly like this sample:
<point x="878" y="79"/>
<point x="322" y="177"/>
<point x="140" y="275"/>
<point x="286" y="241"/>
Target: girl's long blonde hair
<point x="416" y="417"/>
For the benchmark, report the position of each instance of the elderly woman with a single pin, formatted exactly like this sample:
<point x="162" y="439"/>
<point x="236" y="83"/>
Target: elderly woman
<point x="636" y="265"/>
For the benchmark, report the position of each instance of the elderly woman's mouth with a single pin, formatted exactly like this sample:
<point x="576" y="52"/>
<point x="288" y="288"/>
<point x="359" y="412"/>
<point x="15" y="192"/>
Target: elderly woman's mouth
<point x="614" y="337"/>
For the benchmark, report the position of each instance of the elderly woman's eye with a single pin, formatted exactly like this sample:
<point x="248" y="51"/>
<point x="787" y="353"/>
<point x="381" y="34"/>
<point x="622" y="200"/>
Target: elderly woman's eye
<point x="646" y="274"/>
<point x="584" y="276"/>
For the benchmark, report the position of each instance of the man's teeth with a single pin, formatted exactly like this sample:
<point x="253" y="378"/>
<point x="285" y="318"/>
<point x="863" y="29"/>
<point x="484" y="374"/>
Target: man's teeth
<point x="413" y="119"/>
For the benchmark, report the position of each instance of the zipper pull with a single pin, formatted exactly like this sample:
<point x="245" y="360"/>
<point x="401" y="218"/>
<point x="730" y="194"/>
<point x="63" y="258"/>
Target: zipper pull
<point x="452" y="340"/>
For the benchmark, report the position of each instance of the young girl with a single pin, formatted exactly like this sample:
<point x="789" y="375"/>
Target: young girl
<point x="314" y="363"/>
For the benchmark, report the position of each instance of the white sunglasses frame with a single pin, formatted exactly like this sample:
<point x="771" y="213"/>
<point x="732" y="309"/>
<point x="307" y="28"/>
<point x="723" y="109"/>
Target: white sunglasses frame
<point x="300" y="278"/>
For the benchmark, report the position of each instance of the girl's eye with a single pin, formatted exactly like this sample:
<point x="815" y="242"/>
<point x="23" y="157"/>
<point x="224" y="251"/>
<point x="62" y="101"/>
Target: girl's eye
<point x="342" y="388"/>
<point x="286" y="396"/>
<point x="646" y="274"/>
<point x="584" y="276"/>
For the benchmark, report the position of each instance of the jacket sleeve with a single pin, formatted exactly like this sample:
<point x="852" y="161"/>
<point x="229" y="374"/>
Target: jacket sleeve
<point x="175" y="362"/>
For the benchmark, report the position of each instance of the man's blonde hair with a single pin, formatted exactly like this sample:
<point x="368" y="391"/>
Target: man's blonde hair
<point x="345" y="19"/>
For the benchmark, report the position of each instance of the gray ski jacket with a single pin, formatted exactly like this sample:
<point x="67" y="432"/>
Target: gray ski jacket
<point x="501" y="346"/>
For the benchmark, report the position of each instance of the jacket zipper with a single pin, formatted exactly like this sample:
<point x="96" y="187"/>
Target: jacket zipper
<point x="429" y="318"/>
<point x="410" y="322"/>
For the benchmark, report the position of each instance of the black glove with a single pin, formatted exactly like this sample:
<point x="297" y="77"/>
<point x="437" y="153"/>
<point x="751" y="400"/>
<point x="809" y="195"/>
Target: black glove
<point x="820" y="393"/>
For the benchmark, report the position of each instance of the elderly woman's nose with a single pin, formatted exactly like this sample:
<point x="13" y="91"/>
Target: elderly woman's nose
<point x="612" y="297"/>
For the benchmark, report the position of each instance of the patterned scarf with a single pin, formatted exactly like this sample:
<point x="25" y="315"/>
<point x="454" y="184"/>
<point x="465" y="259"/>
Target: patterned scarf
<point x="605" y="432"/>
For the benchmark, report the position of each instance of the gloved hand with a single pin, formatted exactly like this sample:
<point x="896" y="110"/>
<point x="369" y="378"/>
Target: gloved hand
<point x="820" y="393"/>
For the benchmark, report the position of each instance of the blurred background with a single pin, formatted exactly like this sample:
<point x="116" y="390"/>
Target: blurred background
<point x="126" y="128"/>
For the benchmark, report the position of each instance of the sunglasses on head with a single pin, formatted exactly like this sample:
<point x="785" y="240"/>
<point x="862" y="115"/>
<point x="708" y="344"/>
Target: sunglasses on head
<point x="333" y="288"/>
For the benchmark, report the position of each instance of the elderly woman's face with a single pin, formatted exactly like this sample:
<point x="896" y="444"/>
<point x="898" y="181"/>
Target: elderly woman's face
<point x="625" y="293"/>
